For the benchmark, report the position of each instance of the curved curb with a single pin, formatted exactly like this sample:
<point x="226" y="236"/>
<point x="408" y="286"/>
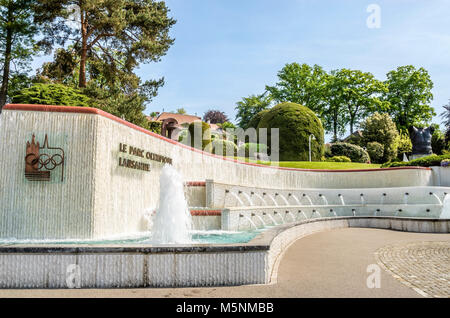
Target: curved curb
<point x="282" y="237"/>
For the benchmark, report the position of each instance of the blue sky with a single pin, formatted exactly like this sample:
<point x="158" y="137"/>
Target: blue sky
<point x="227" y="49"/>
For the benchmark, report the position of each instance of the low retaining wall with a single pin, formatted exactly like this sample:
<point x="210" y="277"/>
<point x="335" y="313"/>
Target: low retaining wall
<point x="131" y="267"/>
<point x="249" y="218"/>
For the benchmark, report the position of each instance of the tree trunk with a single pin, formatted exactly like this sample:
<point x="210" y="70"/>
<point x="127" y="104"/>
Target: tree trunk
<point x="352" y="122"/>
<point x="335" y="130"/>
<point x="82" y="75"/>
<point x="6" y="68"/>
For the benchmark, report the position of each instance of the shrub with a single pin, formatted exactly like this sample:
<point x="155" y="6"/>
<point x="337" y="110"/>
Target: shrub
<point x="51" y="94"/>
<point x="380" y="128"/>
<point x="355" y="139"/>
<point x="428" y="161"/>
<point x="182" y="135"/>
<point x="222" y="147"/>
<point x="197" y="129"/>
<point x="327" y="152"/>
<point x="296" y="123"/>
<point x="155" y="126"/>
<point x="339" y="159"/>
<point x="438" y="142"/>
<point x="354" y="152"/>
<point x="227" y="125"/>
<point x="249" y="149"/>
<point x="404" y="145"/>
<point x="375" y="151"/>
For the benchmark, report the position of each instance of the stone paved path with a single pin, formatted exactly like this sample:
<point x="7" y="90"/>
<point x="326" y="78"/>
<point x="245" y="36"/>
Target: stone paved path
<point x="423" y="266"/>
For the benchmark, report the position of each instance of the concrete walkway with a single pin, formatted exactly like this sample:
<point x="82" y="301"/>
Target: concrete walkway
<point x="327" y="264"/>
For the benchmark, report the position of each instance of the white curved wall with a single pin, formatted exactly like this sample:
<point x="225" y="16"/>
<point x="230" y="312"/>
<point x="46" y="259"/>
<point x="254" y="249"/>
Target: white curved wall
<point x="100" y="198"/>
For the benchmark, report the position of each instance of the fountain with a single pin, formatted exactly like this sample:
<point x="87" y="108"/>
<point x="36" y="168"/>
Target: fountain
<point x="307" y="197"/>
<point x="172" y="223"/>
<point x="363" y="202"/>
<point x="99" y="207"/>
<point x="273" y="200"/>
<point x="292" y="217"/>
<point x="282" y="219"/>
<point x="296" y="199"/>
<point x="249" y="220"/>
<point x="437" y="198"/>
<point x="271" y="218"/>
<point x="446" y="208"/>
<point x="284" y="199"/>
<point x="247" y="197"/>
<point x="260" y="198"/>
<point x="303" y="213"/>
<point x="324" y="199"/>
<point x="260" y="218"/>
<point x="237" y="198"/>
<point x="405" y="198"/>
<point x="382" y="198"/>
<point x="341" y="197"/>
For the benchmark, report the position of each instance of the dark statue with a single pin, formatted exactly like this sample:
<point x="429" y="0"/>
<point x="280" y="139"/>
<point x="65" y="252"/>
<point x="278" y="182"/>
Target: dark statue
<point x="421" y="140"/>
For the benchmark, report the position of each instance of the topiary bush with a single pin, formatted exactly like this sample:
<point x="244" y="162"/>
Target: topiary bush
<point x="254" y="122"/>
<point x="354" y="152"/>
<point x="375" y="151"/>
<point x="51" y="94"/>
<point x="249" y="149"/>
<point x="295" y="123"/>
<point x="222" y="147"/>
<point x="200" y="130"/>
<point x="339" y="159"/>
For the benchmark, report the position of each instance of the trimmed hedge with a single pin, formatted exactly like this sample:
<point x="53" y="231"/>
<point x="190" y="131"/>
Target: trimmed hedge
<point x="249" y="149"/>
<point x="339" y="159"/>
<point x="254" y="122"/>
<point x="354" y="152"/>
<point x="295" y="123"/>
<point x="428" y="161"/>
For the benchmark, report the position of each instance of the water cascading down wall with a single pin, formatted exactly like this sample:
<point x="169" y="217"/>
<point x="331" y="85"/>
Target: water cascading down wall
<point x="110" y="176"/>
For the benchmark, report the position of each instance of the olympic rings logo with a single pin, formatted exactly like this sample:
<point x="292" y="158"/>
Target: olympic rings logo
<point x="44" y="160"/>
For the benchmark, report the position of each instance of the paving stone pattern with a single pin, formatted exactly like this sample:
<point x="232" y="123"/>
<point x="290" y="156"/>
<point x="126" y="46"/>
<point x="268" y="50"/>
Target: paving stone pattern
<point x="423" y="266"/>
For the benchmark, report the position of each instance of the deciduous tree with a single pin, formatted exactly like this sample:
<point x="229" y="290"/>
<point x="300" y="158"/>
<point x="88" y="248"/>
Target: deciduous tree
<point x="409" y="94"/>
<point x="249" y="107"/>
<point x="301" y="84"/>
<point x="215" y="117"/>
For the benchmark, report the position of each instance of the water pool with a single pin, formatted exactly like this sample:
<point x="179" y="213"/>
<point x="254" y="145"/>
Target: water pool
<point x="197" y="237"/>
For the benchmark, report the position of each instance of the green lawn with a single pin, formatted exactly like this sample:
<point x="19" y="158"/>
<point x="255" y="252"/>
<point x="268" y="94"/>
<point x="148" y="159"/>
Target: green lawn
<point x="319" y="165"/>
